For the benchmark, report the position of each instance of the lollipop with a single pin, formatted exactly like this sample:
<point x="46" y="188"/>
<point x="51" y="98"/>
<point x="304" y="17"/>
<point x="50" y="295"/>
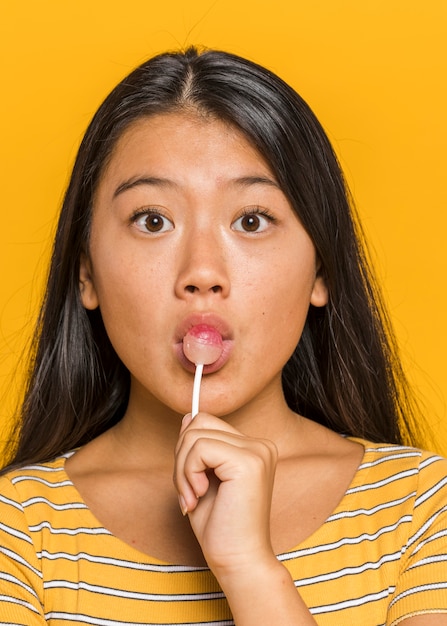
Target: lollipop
<point x="202" y="345"/>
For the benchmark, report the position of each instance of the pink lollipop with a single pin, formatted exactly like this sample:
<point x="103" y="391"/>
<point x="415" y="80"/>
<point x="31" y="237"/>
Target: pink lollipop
<point x="202" y="345"/>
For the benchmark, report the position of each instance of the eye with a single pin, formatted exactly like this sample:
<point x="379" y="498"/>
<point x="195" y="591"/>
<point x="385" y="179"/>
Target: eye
<point x="151" y="221"/>
<point x="253" y="221"/>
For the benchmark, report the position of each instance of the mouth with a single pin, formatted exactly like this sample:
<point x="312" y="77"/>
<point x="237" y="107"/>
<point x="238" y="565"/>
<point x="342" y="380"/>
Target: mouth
<point x="216" y="323"/>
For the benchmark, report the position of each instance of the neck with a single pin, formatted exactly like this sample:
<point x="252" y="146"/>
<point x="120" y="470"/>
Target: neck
<point x="149" y="429"/>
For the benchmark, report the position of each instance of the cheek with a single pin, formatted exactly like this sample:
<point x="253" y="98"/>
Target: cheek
<point x="279" y="306"/>
<point x="132" y="303"/>
<point x="124" y="274"/>
<point x="294" y="291"/>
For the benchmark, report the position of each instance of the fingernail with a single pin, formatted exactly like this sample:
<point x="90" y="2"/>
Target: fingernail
<point x="182" y="503"/>
<point x="186" y="420"/>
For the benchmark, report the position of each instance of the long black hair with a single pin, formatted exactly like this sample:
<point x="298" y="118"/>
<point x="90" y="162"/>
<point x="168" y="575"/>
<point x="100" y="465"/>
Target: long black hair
<point x="344" y="373"/>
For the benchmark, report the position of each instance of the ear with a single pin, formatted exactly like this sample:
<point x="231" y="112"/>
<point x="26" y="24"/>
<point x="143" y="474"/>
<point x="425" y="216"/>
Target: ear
<point x="87" y="289"/>
<point x="320" y="295"/>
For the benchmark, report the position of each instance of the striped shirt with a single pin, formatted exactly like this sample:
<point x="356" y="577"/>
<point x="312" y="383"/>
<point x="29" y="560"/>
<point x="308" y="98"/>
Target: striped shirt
<point x="379" y="558"/>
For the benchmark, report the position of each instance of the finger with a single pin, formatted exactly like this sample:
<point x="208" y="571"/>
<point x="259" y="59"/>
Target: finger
<point x="187" y="419"/>
<point x="206" y="421"/>
<point x="187" y="445"/>
<point x="208" y="443"/>
<point x="191" y="485"/>
<point x="187" y="497"/>
<point x="205" y="425"/>
<point x="230" y="457"/>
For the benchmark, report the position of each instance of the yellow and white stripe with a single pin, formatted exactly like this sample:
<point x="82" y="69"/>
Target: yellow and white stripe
<point x="380" y="557"/>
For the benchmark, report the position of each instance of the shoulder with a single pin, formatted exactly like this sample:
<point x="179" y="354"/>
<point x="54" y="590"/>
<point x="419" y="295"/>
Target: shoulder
<point x="412" y="483"/>
<point x="32" y="483"/>
<point x="420" y="474"/>
<point x="36" y="470"/>
<point x="388" y="458"/>
<point x="34" y="499"/>
<point x="29" y="500"/>
<point x="399" y="455"/>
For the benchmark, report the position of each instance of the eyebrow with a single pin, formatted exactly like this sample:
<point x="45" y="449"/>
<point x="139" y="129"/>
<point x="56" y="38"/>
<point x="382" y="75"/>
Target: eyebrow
<point x="247" y="181"/>
<point x="154" y="181"/>
<point x="151" y="181"/>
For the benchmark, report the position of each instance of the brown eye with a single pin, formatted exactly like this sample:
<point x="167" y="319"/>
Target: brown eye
<point x="254" y="221"/>
<point x="250" y="223"/>
<point x="152" y="222"/>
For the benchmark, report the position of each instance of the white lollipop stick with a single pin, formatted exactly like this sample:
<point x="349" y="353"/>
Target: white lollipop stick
<point x="202" y="345"/>
<point x="196" y="389"/>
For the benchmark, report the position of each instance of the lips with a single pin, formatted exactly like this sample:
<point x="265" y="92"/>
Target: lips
<point x="215" y="322"/>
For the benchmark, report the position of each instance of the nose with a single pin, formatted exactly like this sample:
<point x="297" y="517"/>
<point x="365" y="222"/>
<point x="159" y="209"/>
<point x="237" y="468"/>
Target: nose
<point x="203" y="268"/>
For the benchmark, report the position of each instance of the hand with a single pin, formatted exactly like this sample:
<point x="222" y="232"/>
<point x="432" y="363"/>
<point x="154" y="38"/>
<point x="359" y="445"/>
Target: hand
<point x="225" y="483"/>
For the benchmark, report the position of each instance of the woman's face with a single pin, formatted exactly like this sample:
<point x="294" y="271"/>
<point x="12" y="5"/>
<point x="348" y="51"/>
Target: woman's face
<point x="189" y="226"/>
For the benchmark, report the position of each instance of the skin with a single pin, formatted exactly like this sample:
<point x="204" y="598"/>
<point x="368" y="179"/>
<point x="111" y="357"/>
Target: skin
<point x="214" y="238"/>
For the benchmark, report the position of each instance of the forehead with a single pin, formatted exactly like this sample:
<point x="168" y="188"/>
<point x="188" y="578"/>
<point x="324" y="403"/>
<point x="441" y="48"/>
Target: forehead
<point x="172" y="142"/>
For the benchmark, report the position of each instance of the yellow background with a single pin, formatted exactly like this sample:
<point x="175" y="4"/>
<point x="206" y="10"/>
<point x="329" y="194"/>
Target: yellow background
<point x="373" y="71"/>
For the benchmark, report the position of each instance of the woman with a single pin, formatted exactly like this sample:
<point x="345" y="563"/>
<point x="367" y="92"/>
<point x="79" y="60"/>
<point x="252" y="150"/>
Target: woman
<point x="206" y="194"/>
